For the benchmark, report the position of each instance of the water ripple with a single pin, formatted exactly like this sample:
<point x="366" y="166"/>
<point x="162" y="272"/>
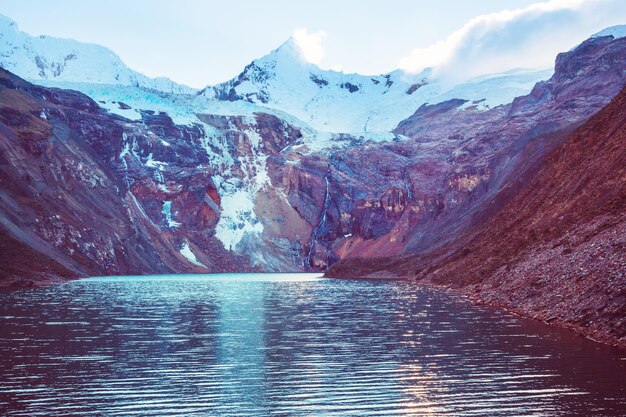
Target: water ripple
<point x="258" y="345"/>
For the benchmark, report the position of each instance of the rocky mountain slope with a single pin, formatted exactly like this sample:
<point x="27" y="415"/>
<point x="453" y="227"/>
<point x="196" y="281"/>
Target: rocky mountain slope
<point x="100" y="194"/>
<point x="557" y="250"/>
<point x="461" y="164"/>
<point x="82" y="192"/>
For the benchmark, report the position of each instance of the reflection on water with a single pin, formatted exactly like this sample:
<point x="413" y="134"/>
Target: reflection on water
<point x="289" y="345"/>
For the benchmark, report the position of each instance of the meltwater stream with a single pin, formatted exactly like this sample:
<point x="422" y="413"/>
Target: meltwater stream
<point x="260" y="345"/>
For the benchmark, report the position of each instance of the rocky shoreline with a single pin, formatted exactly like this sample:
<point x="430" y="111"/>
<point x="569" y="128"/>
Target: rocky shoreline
<point x="556" y="252"/>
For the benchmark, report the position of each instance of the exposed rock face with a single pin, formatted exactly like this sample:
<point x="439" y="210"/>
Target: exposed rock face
<point x="557" y="250"/>
<point x="83" y="191"/>
<point x="225" y="190"/>
<point x="263" y="154"/>
<point x="462" y="164"/>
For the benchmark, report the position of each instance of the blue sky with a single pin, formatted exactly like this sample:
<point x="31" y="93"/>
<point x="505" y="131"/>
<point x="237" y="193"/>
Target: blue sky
<point x="205" y="42"/>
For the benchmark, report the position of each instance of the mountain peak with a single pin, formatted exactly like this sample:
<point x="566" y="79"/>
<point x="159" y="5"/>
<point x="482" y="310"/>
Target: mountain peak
<point x="289" y="46"/>
<point x="288" y="52"/>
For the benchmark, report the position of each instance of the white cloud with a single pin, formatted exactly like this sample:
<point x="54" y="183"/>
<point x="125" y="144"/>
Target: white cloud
<point x="310" y="45"/>
<point x="522" y="38"/>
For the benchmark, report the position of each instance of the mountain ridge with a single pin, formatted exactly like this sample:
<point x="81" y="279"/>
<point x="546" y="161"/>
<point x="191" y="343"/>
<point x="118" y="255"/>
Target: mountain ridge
<point x="352" y="103"/>
<point x="291" y="198"/>
<point x="49" y="59"/>
<point x="327" y="100"/>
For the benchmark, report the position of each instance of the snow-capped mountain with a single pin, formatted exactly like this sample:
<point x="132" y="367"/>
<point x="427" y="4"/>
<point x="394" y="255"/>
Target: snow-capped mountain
<point x="337" y="102"/>
<point x="282" y="81"/>
<point x="50" y="60"/>
<point x="239" y="185"/>
<point x="280" y="148"/>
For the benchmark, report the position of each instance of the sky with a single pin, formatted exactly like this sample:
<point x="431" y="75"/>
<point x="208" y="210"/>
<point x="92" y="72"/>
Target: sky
<point x="200" y="43"/>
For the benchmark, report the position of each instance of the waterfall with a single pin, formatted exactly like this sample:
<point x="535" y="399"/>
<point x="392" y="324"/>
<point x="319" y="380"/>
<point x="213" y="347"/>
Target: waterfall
<point x="321" y="223"/>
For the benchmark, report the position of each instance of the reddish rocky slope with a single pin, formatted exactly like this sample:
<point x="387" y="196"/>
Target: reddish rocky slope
<point x="74" y="204"/>
<point x="557" y="250"/>
<point x="461" y="164"/>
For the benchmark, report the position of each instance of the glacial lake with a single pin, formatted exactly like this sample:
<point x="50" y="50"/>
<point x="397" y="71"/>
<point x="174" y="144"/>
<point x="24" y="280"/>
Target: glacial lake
<point x="289" y="345"/>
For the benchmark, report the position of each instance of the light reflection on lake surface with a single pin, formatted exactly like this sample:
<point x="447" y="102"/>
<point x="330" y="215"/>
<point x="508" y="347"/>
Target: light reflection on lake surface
<point x="258" y="345"/>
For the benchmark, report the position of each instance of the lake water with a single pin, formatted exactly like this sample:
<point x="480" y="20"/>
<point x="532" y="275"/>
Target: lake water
<point x="260" y="345"/>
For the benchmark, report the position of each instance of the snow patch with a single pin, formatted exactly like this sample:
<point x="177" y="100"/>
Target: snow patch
<point x="167" y="214"/>
<point x="237" y="218"/>
<point x="152" y="163"/>
<point x="185" y="250"/>
<point x="180" y="107"/>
